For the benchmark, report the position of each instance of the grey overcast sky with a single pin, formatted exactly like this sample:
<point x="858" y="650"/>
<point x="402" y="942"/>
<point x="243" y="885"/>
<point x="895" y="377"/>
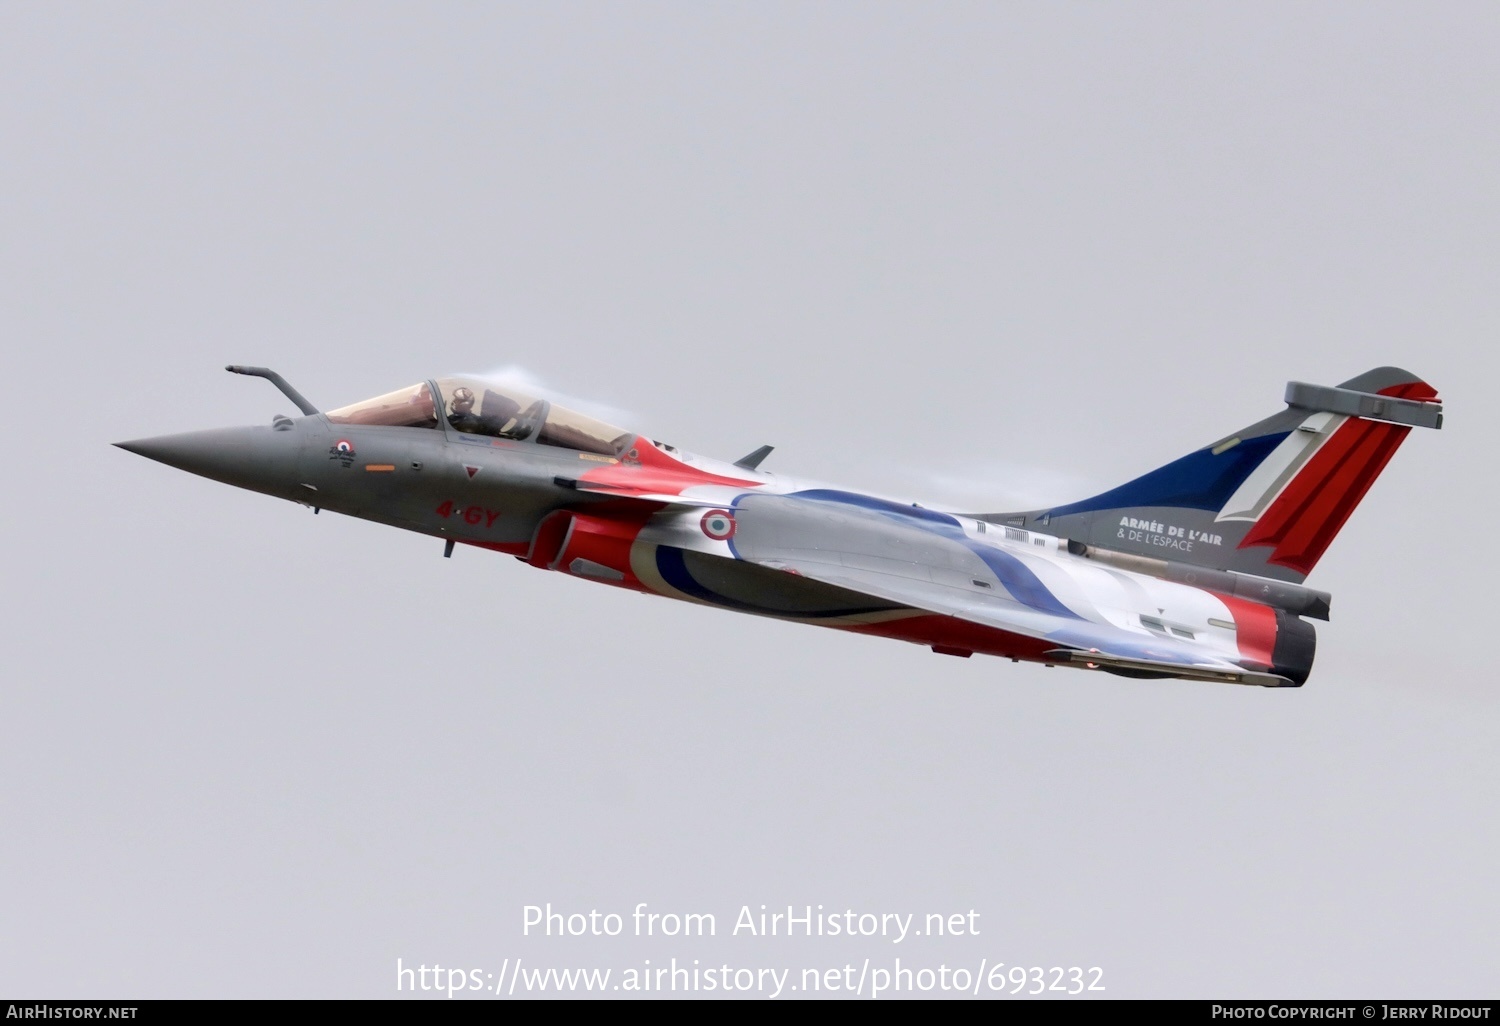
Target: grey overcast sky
<point x="990" y="255"/>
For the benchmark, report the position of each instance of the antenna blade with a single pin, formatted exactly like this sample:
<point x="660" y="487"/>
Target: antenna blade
<point x="753" y="460"/>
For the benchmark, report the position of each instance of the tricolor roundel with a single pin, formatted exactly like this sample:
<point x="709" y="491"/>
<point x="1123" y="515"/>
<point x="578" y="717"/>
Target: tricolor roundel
<point x="718" y="524"/>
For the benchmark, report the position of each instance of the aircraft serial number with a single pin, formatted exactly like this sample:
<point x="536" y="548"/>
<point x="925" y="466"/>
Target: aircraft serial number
<point x="471" y="515"/>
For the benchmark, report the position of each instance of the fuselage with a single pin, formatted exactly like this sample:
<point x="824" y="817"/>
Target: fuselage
<point x="634" y="513"/>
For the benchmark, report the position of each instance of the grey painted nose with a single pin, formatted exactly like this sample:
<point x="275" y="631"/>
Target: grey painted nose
<point x="257" y="458"/>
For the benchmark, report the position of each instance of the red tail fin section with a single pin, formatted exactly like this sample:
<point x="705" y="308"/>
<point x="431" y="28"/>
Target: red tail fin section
<point x="1303" y="520"/>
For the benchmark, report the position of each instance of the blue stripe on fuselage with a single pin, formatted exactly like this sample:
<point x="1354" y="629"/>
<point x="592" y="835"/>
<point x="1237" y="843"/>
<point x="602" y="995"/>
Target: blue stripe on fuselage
<point x="1018" y="579"/>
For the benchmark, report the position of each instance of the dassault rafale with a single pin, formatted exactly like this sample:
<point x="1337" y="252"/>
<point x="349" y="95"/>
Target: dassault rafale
<point x="1193" y="570"/>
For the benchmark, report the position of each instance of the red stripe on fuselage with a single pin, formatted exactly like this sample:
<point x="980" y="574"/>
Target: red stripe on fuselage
<point x="605" y="542"/>
<point x="653" y="472"/>
<point x="947" y="632"/>
<point x="1255" y="630"/>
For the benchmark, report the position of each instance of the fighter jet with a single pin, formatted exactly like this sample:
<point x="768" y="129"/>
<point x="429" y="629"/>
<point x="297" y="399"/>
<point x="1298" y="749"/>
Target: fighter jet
<point x="1193" y="570"/>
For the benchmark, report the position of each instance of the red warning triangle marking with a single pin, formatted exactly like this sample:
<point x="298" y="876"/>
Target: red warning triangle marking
<point x="472" y="471"/>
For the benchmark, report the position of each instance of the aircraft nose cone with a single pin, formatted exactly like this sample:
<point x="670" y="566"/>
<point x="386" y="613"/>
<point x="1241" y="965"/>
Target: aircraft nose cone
<point x="257" y="458"/>
<point x="160" y="449"/>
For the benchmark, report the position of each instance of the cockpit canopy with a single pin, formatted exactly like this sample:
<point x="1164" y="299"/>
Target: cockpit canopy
<point x="408" y="407"/>
<point x="478" y="407"/>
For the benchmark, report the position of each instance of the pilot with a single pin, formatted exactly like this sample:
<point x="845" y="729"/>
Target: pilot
<point x="463" y="417"/>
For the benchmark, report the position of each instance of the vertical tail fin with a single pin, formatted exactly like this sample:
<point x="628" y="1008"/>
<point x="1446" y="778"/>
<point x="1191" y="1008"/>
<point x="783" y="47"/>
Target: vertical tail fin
<point x="1268" y="499"/>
